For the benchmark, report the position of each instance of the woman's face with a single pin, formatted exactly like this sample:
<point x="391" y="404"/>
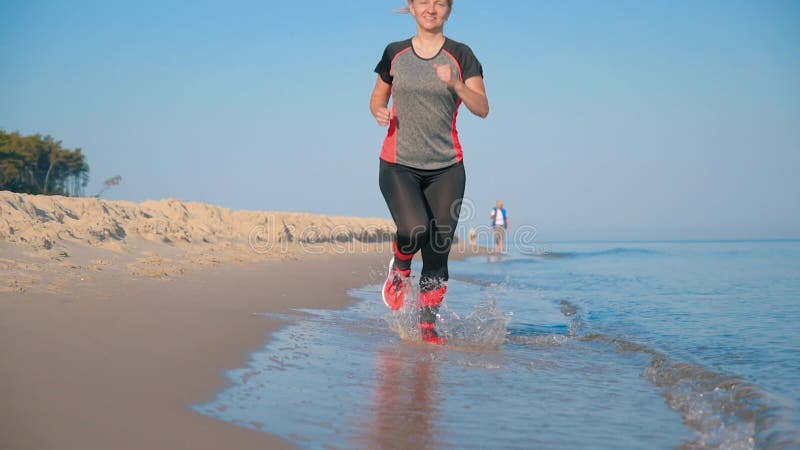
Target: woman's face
<point x="430" y="14"/>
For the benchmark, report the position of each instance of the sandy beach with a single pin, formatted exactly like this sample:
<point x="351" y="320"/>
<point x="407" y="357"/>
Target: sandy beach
<point x="116" y="317"/>
<point x="117" y="364"/>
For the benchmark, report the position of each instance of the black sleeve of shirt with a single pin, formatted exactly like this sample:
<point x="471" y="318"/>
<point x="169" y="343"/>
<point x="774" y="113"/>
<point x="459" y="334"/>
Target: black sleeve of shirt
<point x="384" y="67"/>
<point x="470" y="66"/>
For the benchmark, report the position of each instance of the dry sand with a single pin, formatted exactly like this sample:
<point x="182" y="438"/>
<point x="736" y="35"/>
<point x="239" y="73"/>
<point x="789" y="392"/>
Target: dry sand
<point x="158" y="239"/>
<point x="116" y="317"/>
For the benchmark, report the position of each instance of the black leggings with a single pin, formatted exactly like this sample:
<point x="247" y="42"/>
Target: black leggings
<point x="425" y="205"/>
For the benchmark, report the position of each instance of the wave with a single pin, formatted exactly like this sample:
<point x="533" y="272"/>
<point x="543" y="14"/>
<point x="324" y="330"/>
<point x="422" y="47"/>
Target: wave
<point x="617" y="251"/>
<point x="724" y="410"/>
<point x="548" y="254"/>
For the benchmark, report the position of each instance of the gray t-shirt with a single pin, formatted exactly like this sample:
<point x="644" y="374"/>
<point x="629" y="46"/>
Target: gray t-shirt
<point x="422" y="133"/>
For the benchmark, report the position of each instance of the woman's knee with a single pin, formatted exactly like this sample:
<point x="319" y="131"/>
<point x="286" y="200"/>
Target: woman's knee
<point x="413" y="236"/>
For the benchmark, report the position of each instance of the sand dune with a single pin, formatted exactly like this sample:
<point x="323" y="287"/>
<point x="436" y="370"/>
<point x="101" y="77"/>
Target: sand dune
<point x="161" y="238"/>
<point x="46" y="221"/>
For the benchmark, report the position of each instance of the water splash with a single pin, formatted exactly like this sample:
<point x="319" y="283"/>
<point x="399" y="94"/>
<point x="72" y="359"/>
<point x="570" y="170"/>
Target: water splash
<point x="295" y="386"/>
<point x="485" y="327"/>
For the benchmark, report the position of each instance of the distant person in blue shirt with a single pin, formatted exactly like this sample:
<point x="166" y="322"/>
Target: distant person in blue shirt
<point x="500" y="225"/>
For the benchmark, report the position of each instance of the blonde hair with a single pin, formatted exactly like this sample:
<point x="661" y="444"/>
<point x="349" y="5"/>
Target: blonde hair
<point x="406" y="11"/>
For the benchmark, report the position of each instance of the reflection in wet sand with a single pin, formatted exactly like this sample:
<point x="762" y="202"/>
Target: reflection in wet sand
<point x="405" y="400"/>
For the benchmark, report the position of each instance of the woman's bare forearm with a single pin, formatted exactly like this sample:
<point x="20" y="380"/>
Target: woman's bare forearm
<point x="477" y="102"/>
<point x="379" y="101"/>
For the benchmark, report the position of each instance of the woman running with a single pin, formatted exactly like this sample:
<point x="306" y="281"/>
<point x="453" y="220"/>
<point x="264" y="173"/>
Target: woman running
<point x="421" y="164"/>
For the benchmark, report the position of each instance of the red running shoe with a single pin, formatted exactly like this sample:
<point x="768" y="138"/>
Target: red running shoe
<point x="429" y="334"/>
<point x="396" y="287"/>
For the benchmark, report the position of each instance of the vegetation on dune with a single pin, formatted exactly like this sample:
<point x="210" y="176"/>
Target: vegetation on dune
<point x="40" y="165"/>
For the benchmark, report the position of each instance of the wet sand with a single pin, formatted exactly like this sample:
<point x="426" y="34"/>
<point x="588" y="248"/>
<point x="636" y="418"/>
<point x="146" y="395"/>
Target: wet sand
<point x="117" y="362"/>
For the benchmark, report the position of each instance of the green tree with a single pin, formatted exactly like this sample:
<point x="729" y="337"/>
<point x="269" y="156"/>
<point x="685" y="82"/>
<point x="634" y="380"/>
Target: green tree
<point x="40" y="165"/>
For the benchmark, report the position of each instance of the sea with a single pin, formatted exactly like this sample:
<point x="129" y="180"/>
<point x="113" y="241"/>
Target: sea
<point x="564" y="345"/>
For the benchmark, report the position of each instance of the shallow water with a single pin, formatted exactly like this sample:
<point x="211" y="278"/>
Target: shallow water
<point x="605" y="345"/>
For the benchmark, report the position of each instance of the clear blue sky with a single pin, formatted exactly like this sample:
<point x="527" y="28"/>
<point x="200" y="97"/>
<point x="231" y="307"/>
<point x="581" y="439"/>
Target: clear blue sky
<point x="621" y="119"/>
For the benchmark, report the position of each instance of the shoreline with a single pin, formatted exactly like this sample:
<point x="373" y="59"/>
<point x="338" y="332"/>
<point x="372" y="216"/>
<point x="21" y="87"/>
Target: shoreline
<point x="84" y="372"/>
<point x="116" y="318"/>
